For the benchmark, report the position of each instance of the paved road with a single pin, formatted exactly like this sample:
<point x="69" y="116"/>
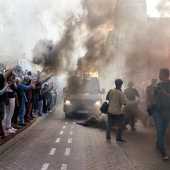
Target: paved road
<point x="60" y="144"/>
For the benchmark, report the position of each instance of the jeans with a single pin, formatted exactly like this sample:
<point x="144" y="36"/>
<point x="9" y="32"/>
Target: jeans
<point x="22" y="112"/>
<point x="115" y="119"/>
<point x="161" y="124"/>
<point x="40" y="107"/>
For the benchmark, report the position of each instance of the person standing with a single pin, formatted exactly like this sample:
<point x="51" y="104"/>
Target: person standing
<point x="46" y="94"/>
<point x="116" y="101"/>
<point x="27" y="82"/>
<point x="131" y="94"/>
<point x="22" y="110"/>
<point x="10" y="107"/>
<point x="161" y="114"/>
<point x="150" y="100"/>
<point x="3" y="99"/>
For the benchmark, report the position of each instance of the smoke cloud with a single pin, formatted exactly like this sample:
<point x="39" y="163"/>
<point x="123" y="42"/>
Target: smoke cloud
<point x="163" y="7"/>
<point x="57" y="55"/>
<point x="83" y="34"/>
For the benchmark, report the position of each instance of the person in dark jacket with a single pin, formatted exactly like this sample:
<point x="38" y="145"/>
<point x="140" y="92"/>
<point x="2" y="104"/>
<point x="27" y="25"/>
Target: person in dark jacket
<point x="39" y="94"/>
<point x="22" y="88"/>
<point x="46" y="90"/>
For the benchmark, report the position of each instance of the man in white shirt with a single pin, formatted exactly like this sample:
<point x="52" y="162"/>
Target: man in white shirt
<point x="115" y="115"/>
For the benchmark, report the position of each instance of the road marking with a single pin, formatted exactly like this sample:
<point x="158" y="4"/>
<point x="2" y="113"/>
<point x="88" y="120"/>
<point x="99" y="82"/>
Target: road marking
<point x="45" y="166"/>
<point x="57" y="140"/>
<point x="64" y="167"/>
<point x="67" y="152"/>
<point x="71" y="132"/>
<point x="73" y="123"/>
<point x="66" y="123"/>
<point x="61" y="132"/>
<point x="64" y="127"/>
<point x="70" y="140"/>
<point x="52" y="151"/>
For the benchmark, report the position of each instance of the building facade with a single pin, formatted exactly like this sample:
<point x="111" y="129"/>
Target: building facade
<point x="139" y="45"/>
<point x="128" y="45"/>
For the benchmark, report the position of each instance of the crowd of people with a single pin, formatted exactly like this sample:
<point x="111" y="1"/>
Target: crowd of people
<point x="23" y="97"/>
<point x="158" y="104"/>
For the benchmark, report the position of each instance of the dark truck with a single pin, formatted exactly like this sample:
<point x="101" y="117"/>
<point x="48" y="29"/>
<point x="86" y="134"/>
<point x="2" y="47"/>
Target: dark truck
<point x="83" y="98"/>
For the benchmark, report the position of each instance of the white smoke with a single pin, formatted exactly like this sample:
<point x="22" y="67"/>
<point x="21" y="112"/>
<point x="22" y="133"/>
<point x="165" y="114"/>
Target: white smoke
<point x="31" y="20"/>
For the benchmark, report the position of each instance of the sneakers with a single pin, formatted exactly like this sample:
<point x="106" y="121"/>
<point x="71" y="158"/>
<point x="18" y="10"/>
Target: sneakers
<point x="164" y="156"/>
<point x="22" y="124"/>
<point x="41" y="115"/>
<point x="16" y="126"/>
<point x="120" y="141"/>
<point x="13" y="129"/>
<point x="10" y="131"/>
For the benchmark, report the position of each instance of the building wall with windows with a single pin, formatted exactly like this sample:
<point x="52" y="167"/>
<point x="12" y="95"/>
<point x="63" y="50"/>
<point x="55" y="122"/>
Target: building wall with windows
<point x="127" y="42"/>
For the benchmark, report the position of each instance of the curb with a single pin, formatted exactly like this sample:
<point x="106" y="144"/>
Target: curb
<point x="13" y="139"/>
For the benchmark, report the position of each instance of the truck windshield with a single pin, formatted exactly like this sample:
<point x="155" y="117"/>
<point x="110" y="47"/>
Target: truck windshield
<point x="85" y="86"/>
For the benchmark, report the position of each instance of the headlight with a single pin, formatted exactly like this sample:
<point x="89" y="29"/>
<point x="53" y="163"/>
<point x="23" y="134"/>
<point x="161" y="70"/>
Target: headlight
<point x="67" y="102"/>
<point x="98" y="103"/>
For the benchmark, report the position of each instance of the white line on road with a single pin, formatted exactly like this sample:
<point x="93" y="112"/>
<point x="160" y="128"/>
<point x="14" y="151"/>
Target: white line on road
<point x="66" y="123"/>
<point x="64" y="167"/>
<point x="61" y="132"/>
<point x="45" y="166"/>
<point x="52" y="151"/>
<point x="64" y="127"/>
<point x="71" y="132"/>
<point x="70" y="140"/>
<point x="57" y="140"/>
<point x="67" y="152"/>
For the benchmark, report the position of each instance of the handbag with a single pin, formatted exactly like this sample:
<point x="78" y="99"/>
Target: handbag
<point x="151" y="109"/>
<point x="105" y="106"/>
<point x="155" y="106"/>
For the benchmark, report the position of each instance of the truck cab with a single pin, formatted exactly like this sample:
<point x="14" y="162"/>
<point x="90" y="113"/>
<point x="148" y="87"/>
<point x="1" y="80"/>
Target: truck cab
<point x="84" y="98"/>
